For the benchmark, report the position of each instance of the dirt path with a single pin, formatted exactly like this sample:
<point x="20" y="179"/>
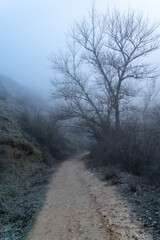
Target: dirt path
<point x="73" y="212"/>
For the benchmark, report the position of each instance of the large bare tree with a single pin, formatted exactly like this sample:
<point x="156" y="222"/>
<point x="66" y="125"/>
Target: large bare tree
<point x="106" y="59"/>
<point x="76" y="86"/>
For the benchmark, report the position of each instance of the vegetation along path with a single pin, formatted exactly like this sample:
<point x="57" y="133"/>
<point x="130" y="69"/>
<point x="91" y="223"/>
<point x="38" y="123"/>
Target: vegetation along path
<point x="79" y="206"/>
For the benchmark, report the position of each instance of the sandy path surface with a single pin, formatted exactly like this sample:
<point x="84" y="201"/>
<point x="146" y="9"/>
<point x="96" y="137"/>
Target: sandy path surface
<point x="73" y="211"/>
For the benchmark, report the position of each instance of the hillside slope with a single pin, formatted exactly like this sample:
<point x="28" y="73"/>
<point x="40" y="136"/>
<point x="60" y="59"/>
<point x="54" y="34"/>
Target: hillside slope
<point x="23" y="174"/>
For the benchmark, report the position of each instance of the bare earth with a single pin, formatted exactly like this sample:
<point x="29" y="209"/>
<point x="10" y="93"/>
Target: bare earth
<point x="80" y="207"/>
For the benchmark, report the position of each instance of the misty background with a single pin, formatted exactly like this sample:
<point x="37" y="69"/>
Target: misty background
<point x="99" y="63"/>
<point x="31" y="30"/>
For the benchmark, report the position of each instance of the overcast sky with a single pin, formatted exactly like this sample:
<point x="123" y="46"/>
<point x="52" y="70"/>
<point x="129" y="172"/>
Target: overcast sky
<point x="31" y="29"/>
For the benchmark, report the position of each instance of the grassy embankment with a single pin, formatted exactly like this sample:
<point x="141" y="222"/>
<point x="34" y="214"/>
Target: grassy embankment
<point x="23" y="175"/>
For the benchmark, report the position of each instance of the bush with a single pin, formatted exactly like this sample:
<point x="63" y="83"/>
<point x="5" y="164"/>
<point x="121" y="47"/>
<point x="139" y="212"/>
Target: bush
<point x="46" y="130"/>
<point x="134" y="149"/>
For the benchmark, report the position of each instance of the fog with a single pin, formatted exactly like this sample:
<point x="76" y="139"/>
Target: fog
<point x="30" y="30"/>
<point x="95" y="91"/>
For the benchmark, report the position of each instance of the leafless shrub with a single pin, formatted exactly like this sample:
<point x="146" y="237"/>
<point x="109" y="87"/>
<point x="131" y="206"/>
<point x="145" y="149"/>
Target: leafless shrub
<point x="46" y="131"/>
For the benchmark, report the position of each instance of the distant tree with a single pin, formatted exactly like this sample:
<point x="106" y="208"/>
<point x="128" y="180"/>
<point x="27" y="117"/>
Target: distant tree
<point x="107" y="56"/>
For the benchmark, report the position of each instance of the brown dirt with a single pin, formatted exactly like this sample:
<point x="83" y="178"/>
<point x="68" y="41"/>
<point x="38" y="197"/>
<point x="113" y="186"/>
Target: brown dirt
<point x="79" y="207"/>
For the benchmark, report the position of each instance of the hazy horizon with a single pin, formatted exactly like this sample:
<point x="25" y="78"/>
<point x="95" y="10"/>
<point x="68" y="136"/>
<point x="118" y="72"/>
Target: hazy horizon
<point x="31" y="30"/>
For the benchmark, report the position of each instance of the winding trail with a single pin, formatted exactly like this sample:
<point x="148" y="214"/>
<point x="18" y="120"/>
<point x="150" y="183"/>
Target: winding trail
<point x="71" y="211"/>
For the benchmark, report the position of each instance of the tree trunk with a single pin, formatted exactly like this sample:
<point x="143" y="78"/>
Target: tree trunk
<point x="117" y="117"/>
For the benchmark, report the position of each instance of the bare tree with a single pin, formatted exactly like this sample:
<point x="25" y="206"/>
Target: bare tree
<point x="116" y="46"/>
<point x="76" y="88"/>
<point x="109" y="52"/>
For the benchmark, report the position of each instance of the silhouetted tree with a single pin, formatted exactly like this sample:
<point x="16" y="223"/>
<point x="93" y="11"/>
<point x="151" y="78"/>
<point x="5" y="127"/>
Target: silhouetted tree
<point x="106" y="58"/>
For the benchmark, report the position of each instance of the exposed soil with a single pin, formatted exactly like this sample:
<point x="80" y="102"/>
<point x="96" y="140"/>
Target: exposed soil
<point x="79" y="206"/>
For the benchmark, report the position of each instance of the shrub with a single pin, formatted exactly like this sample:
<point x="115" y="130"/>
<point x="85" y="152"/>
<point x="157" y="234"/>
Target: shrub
<point x="46" y="130"/>
<point x="134" y="149"/>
